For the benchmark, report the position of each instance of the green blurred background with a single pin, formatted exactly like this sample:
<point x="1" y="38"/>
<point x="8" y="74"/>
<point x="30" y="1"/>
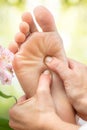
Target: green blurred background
<point x="71" y="20"/>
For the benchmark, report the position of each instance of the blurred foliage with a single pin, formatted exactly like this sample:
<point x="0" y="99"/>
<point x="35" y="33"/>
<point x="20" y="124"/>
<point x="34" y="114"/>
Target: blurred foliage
<point x="7" y="96"/>
<point x="73" y="2"/>
<point x="16" y="3"/>
<point x="4" y="124"/>
<point x="10" y="10"/>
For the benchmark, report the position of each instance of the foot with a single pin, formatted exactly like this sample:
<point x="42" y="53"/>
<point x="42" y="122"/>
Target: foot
<point x="32" y="47"/>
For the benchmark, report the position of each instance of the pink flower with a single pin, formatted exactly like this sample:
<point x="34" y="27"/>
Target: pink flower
<point x="6" y="70"/>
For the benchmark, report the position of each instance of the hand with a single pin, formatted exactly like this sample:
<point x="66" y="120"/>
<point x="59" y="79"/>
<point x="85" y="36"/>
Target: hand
<point x="38" y="112"/>
<point x="74" y="77"/>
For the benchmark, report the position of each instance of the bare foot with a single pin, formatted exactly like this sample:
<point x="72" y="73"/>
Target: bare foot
<point x="32" y="47"/>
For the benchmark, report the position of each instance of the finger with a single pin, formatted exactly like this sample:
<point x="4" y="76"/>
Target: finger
<point x="43" y="90"/>
<point x="58" y="66"/>
<point x="15" y="125"/>
<point x="12" y="124"/>
<point x="75" y="65"/>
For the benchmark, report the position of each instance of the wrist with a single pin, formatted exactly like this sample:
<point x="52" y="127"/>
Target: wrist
<point x="65" y="126"/>
<point x="58" y="124"/>
<point x="81" y="107"/>
<point x="53" y="122"/>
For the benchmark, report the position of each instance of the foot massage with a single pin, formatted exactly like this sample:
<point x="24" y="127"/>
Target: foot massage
<point x="54" y="85"/>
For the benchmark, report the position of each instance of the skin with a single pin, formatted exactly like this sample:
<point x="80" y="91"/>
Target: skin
<point x="41" y="107"/>
<point x="75" y="81"/>
<point x="30" y="48"/>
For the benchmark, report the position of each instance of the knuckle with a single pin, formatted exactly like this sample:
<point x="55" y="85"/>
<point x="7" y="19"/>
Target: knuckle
<point x="39" y="92"/>
<point x="11" y="124"/>
<point x="12" y="112"/>
<point x="42" y="93"/>
<point x="54" y="64"/>
<point x="57" y="66"/>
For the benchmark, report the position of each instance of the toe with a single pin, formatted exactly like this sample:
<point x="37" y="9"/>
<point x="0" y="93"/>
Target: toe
<point x="27" y="17"/>
<point x="13" y="47"/>
<point x="20" y="37"/>
<point x="24" y="28"/>
<point x="45" y="19"/>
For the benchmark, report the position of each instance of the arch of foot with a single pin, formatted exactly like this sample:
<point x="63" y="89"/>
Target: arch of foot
<point x="33" y="53"/>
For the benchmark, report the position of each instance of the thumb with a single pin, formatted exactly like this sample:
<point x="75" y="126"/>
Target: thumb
<point x="43" y="90"/>
<point x="58" y="66"/>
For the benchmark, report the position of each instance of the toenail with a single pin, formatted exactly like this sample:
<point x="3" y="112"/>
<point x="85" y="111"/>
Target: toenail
<point x="48" y="59"/>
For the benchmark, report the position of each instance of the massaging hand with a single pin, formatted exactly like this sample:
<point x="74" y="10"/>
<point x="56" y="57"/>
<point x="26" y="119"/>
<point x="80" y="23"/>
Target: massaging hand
<point x="75" y="81"/>
<point x="38" y="112"/>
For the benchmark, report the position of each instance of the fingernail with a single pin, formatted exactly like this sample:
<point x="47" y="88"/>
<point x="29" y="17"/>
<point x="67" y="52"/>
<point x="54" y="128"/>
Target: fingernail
<point x="46" y="72"/>
<point x="48" y="59"/>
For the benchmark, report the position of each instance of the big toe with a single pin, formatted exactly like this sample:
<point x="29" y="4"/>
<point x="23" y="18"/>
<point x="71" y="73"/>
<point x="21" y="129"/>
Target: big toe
<point x="45" y="19"/>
